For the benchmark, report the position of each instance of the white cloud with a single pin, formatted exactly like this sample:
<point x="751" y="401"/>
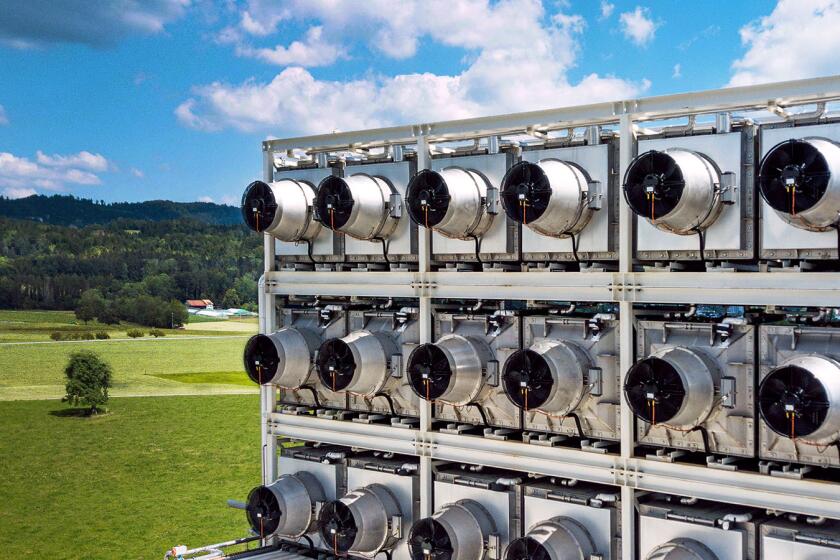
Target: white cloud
<point x="314" y="50"/>
<point x="12" y="192"/>
<point x="81" y="160"/>
<point x="677" y="73"/>
<point x="37" y="23"/>
<point x="136" y="172"/>
<point x="4" y="119"/>
<point x="606" y="9"/>
<point x="799" y="39"/>
<point x="54" y="173"/>
<point x="638" y="26"/>
<point x="518" y="59"/>
<point x="204" y="199"/>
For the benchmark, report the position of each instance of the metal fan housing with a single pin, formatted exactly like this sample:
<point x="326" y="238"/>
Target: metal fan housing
<point x="358" y="205"/>
<point x="286" y="507"/>
<point x="282" y="358"/>
<point x="466" y="357"/>
<point x="800" y="180"/>
<point x="550" y="197"/>
<point x="370" y="354"/>
<point x="452" y="202"/>
<point x="559" y="538"/>
<point x="373" y="510"/>
<point x="282" y="209"/>
<point x="676" y="190"/>
<point x="682" y="549"/>
<point x="467" y="525"/>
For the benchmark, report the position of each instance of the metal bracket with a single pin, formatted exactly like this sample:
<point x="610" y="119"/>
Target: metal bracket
<point x="493" y="546"/>
<point x="492" y="373"/>
<point x="596" y="195"/>
<point x="492" y="200"/>
<point x="396" y="526"/>
<point x="728" y="392"/>
<point x="596" y="382"/>
<point x="395" y="206"/>
<point x="397" y="365"/>
<point x="728" y="188"/>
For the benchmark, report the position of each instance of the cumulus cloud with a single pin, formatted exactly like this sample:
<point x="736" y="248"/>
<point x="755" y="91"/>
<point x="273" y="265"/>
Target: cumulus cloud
<point x="12" y="192"/>
<point x="3" y="118"/>
<point x="204" y="199"/>
<point x="38" y="23"/>
<point x="314" y="50"/>
<point x="798" y="39"/>
<point x="677" y="73"/>
<point x="638" y="26"/>
<point x="518" y="59"/>
<point x="136" y="172"/>
<point x="56" y="172"/>
<point x="606" y="9"/>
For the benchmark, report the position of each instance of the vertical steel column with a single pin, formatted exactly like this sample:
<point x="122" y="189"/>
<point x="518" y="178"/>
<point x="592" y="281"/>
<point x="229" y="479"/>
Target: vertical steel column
<point x="627" y="151"/>
<point x="268" y="324"/>
<point x="424" y="258"/>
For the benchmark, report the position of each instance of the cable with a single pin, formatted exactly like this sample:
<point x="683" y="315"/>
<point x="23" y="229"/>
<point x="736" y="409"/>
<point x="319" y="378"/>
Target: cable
<point x="385" y="246"/>
<point x="704" y="433"/>
<point x="309" y="250"/>
<point x="314" y="393"/>
<point x="480" y="412"/>
<point x="837" y="229"/>
<point x="575" y="247"/>
<point x="309" y="540"/>
<point x="702" y="237"/>
<point x="578" y="424"/>
<point x="477" y="248"/>
<point x="390" y="402"/>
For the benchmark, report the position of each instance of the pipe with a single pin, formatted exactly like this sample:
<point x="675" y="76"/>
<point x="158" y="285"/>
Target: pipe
<point x="335" y="455"/>
<point x="688" y="501"/>
<point x="478" y="305"/>
<point x="727" y="520"/>
<point x="816" y="520"/>
<point x="213" y="550"/>
<point x="508" y="481"/>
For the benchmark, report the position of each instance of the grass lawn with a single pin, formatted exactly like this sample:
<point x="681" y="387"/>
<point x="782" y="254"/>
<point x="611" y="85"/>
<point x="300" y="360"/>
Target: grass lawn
<point x="154" y="473"/>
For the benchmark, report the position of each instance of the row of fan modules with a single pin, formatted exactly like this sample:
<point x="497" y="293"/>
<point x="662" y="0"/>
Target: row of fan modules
<point x="731" y="390"/>
<point x="555" y="206"/>
<point x="363" y="504"/>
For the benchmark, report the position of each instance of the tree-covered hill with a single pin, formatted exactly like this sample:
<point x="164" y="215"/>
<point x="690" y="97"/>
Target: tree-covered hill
<point x="68" y="210"/>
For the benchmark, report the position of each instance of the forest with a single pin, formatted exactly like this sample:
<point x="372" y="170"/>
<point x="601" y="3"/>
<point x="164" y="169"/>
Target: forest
<point x="49" y="266"/>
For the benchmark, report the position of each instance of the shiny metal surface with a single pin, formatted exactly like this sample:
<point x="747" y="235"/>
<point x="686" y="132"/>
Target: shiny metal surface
<point x="370" y="217"/>
<point x="372" y="352"/>
<point x="825" y="214"/>
<point x="293" y="221"/>
<point x="373" y="508"/>
<point x="568" y="211"/>
<point x="466" y="216"/>
<point x="700" y="375"/>
<point x="297" y="495"/>
<point x="467" y="357"/>
<point x="564" y="539"/>
<point x="295" y="349"/>
<point x="682" y="549"/>
<point x="569" y="365"/>
<point x="468" y="525"/>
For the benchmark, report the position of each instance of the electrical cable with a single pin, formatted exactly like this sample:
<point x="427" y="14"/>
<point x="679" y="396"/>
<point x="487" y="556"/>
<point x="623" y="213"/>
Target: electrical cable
<point x="385" y="245"/>
<point x="390" y="402"/>
<point x="477" y="248"/>
<point x="314" y="393"/>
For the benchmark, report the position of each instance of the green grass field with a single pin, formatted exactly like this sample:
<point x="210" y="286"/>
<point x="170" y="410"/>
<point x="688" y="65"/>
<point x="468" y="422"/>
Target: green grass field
<point x="153" y="473"/>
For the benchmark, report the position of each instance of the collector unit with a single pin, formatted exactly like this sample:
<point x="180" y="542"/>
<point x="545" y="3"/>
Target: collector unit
<point x="458" y="199"/>
<point x="799" y="537"/>
<point x="366" y="365"/>
<point x="366" y="206"/>
<point x="799" y="181"/>
<point x="284" y="209"/>
<point x="565" y="378"/>
<point x="460" y="372"/>
<point x="799" y="397"/>
<point x="691" y="387"/>
<point x="568" y="520"/>
<point x="285" y="358"/>
<point x="674" y="528"/>
<point x="566" y="199"/>
<point x="693" y="197"/>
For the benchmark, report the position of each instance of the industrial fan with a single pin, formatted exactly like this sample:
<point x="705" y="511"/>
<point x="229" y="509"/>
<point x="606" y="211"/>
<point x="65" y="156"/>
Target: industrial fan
<point x="527" y="548"/>
<point x="286" y="507"/>
<point x="337" y="526"/>
<point x="682" y="549"/>
<point x="560" y="538"/>
<point x="333" y="203"/>
<point x="335" y="364"/>
<point x="429" y="540"/>
<point x="653" y="185"/>
<point x="654" y="390"/>
<point x="259" y="206"/>
<point x="263" y="511"/>
<point x="793" y="402"/>
<point x="261" y="359"/>
<point x="525" y="192"/>
<point x="429" y="372"/>
<point x="428" y="198"/>
<point x="527" y="379"/>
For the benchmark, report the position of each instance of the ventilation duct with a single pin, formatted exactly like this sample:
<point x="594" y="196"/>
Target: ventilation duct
<point x="282" y="358"/>
<point x="450" y="370"/>
<point x="361" y="206"/>
<point x="560" y="538"/>
<point x="364" y="522"/>
<point x="458" y="531"/>
<point x="357" y="363"/>
<point x="285" y="508"/>
<point x="452" y="202"/>
<point x="282" y="209"/>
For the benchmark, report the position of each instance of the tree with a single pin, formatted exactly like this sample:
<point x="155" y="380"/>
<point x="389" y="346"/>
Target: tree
<point x="90" y="306"/>
<point x="231" y="299"/>
<point x="88" y="380"/>
<point x="109" y="315"/>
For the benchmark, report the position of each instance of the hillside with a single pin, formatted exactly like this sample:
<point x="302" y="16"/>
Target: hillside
<point x="68" y="210"/>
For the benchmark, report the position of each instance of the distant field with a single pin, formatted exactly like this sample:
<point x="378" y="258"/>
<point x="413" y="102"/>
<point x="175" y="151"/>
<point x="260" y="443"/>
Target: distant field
<point x="141" y="367"/>
<point x="154" y="473"/>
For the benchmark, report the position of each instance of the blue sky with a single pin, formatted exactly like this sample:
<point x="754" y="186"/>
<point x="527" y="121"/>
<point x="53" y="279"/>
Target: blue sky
<point x="135" y="100"/>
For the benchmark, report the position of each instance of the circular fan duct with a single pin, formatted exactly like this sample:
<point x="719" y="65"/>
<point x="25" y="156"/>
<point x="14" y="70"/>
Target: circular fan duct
<point x="801" y="399"/>
<point x="359" y="205"/>
<point x="357" y="363"/>
<point x="800" y="180"/>
<point x="452" y="202"/>
<point x="675" y="190"/>
<point x="674" y="387"/>
<point x="682" y="549"/>
<point x="560" y="538"/>
<point x="285" y="508"/>
<point x="551" y="197"/>
<point x="550" y="376"/>
<point x="458" y="531"/>
<point x="360" y="522"/>
<point x="282" y="209"/>
<point x="282" y="358"/>
<point x="450" y="370"/>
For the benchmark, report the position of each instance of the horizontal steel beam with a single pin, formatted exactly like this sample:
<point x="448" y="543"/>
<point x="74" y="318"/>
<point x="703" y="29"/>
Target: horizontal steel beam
<point x="350" y="434"/>
<point x="664" y="106"/>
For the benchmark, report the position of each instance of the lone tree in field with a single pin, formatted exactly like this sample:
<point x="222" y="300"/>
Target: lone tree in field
<point x="88" y="380"/>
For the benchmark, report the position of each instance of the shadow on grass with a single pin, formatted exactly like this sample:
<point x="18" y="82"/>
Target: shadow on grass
<point x="77" y="413"/>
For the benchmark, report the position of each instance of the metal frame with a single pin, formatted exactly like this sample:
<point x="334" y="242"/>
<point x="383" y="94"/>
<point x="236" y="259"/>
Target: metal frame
<point x="625" y="287"/>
